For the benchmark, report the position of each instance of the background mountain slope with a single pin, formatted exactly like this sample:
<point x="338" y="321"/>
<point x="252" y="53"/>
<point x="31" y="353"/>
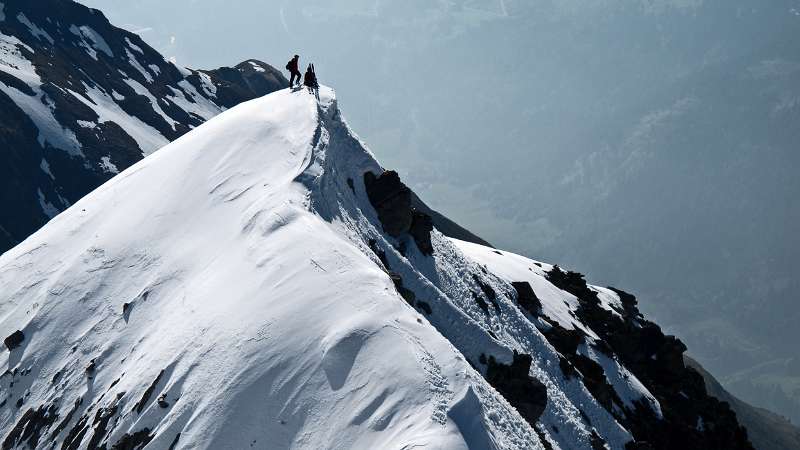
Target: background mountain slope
<point x="644" y="141"/>
<point x="765" y="429"/>
<point x="82" y="100"/>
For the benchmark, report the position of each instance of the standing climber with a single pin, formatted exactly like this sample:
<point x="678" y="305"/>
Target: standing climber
<point x="293" y="66"/>
<point x="310" y="79"/>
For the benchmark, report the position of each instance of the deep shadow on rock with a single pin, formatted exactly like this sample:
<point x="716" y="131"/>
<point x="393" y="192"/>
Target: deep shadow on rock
<point x="408" y="295"/>
<point x="14" y="340"/>
<point x="527" y="298"/>
<point x="421" y="228"/>
<point x="134" y="441"/>
<point x="392" y="201"/>
<point x="148" y="393"/>
<point x="525" y="393"/>
<point x="28" y="429"/>
<point x="488" y="292"/>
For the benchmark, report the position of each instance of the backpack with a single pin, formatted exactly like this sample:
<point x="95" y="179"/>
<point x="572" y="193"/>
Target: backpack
<point x="289" y="65"/>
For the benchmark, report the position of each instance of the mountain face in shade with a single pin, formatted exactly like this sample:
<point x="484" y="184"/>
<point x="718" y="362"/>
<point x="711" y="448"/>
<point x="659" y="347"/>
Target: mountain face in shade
<point x="765" y="429"/>
<point x="82" y="100"/>
<point x="285" y="291"/>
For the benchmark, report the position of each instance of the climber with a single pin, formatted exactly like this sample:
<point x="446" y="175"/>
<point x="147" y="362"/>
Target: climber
<point x="293" y="67"/>
<point x="310" y="80"/>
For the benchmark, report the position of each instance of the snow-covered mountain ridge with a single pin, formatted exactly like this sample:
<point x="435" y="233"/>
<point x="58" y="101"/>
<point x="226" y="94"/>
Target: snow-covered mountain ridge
<point x="262" y="282"/>
<point x="81" y="100"/>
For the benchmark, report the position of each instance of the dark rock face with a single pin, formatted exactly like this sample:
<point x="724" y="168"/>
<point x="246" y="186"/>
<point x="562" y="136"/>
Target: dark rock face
<point x="14" y="340"/>
<point x="67" y="419"/>
<point x="247" y="80"/>
<point x="594" y="379"/>
<point x="408" y="295"/>
<point x="28" y="429"/>
<point x="136" y="440"/>
<point x="564" y="340"/>
<point x="148" y="393"/>
<point x="46" y="166"/>
<point x="481" y="303"/>
<point x="392" y="201"/>
<point x="76" y="434"/>
<point x="525" y="393"/>
<point x="100" y="425"/>
<point x="401" y="211"/>
<point x="488" y="292"/>
<point x="657" y="361"/>
<point x="421" y="227"/>
<point x="527" y="298"/>
<point x="175" y="441"/>
<point x="97" y="423"/>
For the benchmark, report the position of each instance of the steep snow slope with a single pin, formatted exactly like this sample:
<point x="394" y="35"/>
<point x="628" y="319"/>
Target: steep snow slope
<point x="258" y="322"/>
<point x="262" y="283"/>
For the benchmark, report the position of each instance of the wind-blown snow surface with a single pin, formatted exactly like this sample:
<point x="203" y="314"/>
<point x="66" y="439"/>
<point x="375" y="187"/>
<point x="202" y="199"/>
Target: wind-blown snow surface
<point x="272" y="327"/>
<point x="222" y="292"/>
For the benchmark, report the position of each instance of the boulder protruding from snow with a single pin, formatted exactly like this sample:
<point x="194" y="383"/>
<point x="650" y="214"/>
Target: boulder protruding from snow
<point x="421" y="227"/>
<point x="527" y="394"/>
<point x="14" y="340"/>
<point x="527" y="297"/>
<point x="392" y="201"/>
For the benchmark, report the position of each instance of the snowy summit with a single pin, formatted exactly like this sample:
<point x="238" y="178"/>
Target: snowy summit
<point x="262" y="282"/>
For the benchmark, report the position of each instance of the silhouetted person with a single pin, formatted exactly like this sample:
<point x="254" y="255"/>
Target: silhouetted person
<point x="310" y="79"/>
<point x="293" y="66"/>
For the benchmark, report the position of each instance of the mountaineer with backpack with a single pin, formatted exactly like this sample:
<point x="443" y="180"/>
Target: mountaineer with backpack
<point x="310" y="80"/>
<point x="293" y="67"/>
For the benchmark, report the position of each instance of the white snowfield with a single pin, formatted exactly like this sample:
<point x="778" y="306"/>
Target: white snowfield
<point x="242" y="255"/>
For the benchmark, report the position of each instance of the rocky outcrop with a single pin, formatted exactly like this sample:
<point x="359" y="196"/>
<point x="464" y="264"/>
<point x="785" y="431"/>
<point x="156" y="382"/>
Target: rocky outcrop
<point x="392" y="201"/>
<point x="526" y="298"/>
<point x="28" y="429"/>
<point x="408" y="295"/>
<point x="639" y="345"/>
<point x="134" y="441"/>
<point x="657" y="361"/>
<point x="245" y="81"/>
<point x="401" y="211"/>
<point x="527" y="394"/>
<point x="14" y="340"/>
<point x="148" y="393"/>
